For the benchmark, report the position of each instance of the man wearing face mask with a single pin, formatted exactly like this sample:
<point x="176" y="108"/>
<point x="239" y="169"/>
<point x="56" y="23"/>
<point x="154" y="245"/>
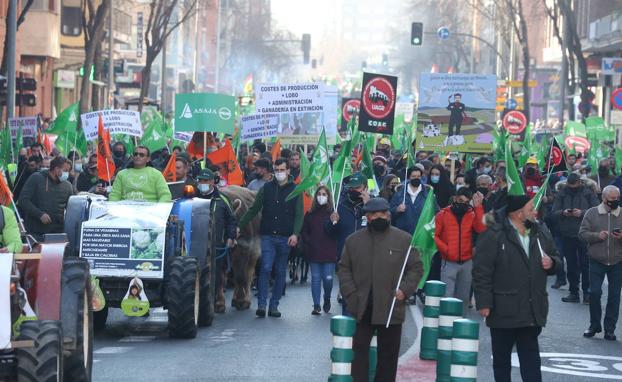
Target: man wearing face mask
<point x="44" y="199"/>
<point x="119" y="155"/>
<point x="572" y="201"/>
<point x="263" y="174"/>
<point x="407" y="203"/>
<point x="453" y="235"/>
<point x="281" y="221"/>
<point x="225" y="229"/>
<point x="380" y="168"/>
<point x="484" y="166"/>
<point x="349" y="217"/>
<point x="513" y="258"/>
<point x="368" y="272"/>
<point x="532" y="179"/>
<point x="484" y="184"/>
<point x="603" y="177"/>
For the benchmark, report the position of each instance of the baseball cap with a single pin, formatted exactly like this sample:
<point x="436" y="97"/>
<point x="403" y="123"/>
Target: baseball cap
<point x="205" y="174"/>
<point x="532" y="160"/>
<point x="356" y="180"/>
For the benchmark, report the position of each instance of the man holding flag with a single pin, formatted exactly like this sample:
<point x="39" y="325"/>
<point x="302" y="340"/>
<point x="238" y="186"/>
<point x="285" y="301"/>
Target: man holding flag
<point x="371" y="261"/>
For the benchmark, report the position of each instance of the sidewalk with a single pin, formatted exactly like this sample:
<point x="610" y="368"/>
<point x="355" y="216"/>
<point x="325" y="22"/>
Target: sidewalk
<point x="410" y="367"/>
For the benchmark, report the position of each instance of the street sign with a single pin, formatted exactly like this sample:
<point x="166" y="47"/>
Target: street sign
<point x="515" y="122"/>
<point x="616" y="99"/>
<point x="611" y="65"/>
<point x="443" y="33"/>
<point x="519" y="84"/>
<point x="511" y="104"/>
<point x="616" y="117"/>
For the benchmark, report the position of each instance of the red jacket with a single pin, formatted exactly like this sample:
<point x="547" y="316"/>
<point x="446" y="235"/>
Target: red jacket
<point x="455" y="242"/>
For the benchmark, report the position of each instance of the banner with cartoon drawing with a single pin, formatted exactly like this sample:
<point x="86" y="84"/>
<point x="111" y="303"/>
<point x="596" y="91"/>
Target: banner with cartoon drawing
<point x="456" y="112"/>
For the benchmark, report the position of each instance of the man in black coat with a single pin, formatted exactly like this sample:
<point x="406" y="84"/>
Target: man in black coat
<point x="514" y="257"/>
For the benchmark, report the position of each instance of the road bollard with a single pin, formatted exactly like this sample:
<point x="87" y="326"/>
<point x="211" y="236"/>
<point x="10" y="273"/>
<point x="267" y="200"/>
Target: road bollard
<point x="450" y="310"/>
<point x="342" y="328"/>
<point x="434" y="291"/>
<point x="373" y="357"/>
<point x="464" y="347"/>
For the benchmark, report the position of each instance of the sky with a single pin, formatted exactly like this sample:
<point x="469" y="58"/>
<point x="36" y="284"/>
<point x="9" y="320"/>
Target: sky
<point x="301" y="16"/>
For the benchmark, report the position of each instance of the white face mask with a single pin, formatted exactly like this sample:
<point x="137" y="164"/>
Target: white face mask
<point x="280" y="176"/>
<point x="77" y="167"/>
<point x="459" y="186"/>
<point x="204" y="188"/>
<point x="222" y="183"/>
<point x="322" y="200"/>
<point x="64" y="176"/>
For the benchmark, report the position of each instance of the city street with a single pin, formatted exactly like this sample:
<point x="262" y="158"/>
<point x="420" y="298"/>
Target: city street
<point x="240" y="347"/>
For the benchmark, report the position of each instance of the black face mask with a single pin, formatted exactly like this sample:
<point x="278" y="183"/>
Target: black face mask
<point x="258" y="175"/>
<point x="528" y="224"/>
<point x="355" y="196"/>
<point x="459" y="209"/>
<point x="482" y="190"/>
<point x="379" y="170"/>
<point x="530" y="171"/>
<point x="603" y="171"/>
<point x="379" y="224"/>
<point x="118" y="154"/>
<point x="613" y="204"/>
<point x="415" y="182"/>
<point x="22" y="158"/>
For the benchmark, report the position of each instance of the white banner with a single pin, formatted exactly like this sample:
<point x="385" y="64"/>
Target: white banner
<point x="116" y="121"/>
<point x="258" y="126"/>
<point x="28" y="124"/>
<point x="6" y="265"/>
<point x="289" y="98"/>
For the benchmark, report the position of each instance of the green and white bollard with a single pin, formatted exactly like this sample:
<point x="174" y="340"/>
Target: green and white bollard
<point x="434" y="291"/>
<point x="464" y="347"/>
<point x="373" y="357"/>
<point x="342" y="328"/>
<point x="450" y="310"/>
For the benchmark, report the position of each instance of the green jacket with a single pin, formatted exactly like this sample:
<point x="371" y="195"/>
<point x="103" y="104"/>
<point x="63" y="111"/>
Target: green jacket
<point x="10" y="236"/>
<point x="145" y="184"/>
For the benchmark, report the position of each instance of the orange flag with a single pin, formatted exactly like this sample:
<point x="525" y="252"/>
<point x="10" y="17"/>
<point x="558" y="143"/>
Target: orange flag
<point x="228" y="163"/>
<point x="170" y="171"/>
<point x="276" y="150"/>
<point x="105" y="164"/>
<point x="6" y="196"/>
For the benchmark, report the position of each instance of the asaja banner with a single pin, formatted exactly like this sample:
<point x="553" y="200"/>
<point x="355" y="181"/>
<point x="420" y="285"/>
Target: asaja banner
<point x="456" y="112"/>
<point x="115" y="121"/>
<point x="378" y="103"/>
<point x="207" y="112"/>
<point x="28" y="125"/>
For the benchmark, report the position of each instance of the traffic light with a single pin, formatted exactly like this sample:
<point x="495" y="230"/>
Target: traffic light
<point x="306" y="48"/>
<point x="416" y="34"/>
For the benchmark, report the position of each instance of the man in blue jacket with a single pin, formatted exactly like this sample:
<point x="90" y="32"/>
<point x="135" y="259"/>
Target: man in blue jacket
<point x="350" y="217"/>
<point x="405" y="211"/>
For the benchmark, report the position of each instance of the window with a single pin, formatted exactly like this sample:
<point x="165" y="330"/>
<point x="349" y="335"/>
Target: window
<point x="71" y="18"/>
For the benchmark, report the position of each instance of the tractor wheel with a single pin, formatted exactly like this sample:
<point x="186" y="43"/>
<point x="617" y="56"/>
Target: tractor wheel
<point x="44" y="361"/>
<point x="77" y="318"/>
<point x="99" y="319"/>
<point x="206" y="296"/>
<point x="182" y="292"/>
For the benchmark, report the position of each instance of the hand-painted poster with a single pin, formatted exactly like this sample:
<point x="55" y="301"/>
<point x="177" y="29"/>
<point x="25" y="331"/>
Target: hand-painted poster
<point x="456" y="112"/>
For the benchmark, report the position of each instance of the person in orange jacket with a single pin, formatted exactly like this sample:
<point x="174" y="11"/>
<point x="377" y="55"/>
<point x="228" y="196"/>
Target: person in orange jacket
<point x="454" y="228"/>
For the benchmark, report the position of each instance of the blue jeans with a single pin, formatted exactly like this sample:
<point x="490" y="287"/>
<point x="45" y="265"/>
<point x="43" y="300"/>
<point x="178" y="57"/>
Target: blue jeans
<point x="598" y="271"/>
<point x="321" y="274"/>
<point x="578" y="264"/>
<point x="274" y="253"/>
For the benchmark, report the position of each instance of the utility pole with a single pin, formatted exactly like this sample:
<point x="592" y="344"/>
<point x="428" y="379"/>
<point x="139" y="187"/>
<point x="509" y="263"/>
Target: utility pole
<point x="195" y="68"/>
<point x="10" y="40"/>
<point x="110" y="56"/>
<point x="217" y="72"/>
<point x="163" y="82"/>
<point x="564" y="72"/>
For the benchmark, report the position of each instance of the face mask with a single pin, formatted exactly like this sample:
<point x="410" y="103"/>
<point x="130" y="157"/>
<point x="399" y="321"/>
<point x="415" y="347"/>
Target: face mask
<point x="379" y="224"/>
<point x="531" y="171"/>
<point x="64" y="176"/>
<point x="118" y="154"/>
<point x="379" y="170"/>
<point x="44" y="169"/>
<point x="613" y="204"/>
<point x="77" y="167"/>
<point x="204" y="188"/>
<point x="459" y="209"/>
<point x="22" y="158"/>
<point x="322" y="200"/>
<point x="583" y="176"/>
<point x="415" y="182"/>
<point x="435" y="178"/>
<point x="222" y="183"/>
<point x="459" y="186"/>
<point x="482" y="190"/>
<point x="487" y="170"/>
<point x="354" y="196"/>
<point x="424" y="179"/>
<point x="603" y="170"/>
<point x="258" y="175"/>
<point x="528" y="224"/>
<point x="280" y="176"/>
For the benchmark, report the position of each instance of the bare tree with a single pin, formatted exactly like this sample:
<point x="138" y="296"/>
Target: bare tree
<point x="159" y="27"/>
<point x="20" y="21"/>
<point x="519" y="24"/>
<point x="93" y="20"/>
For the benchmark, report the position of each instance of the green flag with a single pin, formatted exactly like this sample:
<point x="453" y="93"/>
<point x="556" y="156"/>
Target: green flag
<point x="67" y="120"/>
<point x="154" y="136"/>
<point x="541" y="192"/>
<point x="368" y="163"/>
<point x="499" y="143"/>
<point x="6" y="146"/>
<point x="65" y="126"/>
<point x="515" y="186"/>
<point x="19" y="140"/>
<point x="318" y="171"/>
<point x="423" y="237"/>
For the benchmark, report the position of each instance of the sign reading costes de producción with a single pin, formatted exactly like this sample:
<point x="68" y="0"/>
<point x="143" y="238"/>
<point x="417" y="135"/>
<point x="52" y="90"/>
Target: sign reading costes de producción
<point x="289" y="98"/>
<point x="115" y="121"/>
<point x="258" y="126"/>
<point x="28" y="125"/>
<point x="206" y="112"/>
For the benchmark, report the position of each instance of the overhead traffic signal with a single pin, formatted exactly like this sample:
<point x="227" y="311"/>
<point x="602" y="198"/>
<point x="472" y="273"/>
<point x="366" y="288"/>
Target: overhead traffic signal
<point x="416" y="34"/>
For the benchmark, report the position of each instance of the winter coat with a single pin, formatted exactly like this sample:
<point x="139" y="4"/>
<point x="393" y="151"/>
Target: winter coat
<point x="584" y="199"/>
<point x="351" y="219"/>
<point x="376" y="259"/>
<point x="319" y="242"/>
<point x="454" y="240"/>
<point x="407" y="220"/>
<point x="507" y="281"/>
<point x="609" y="250"/>
<point x="602" y="181"/>
<point x="10" y="236"/>
<point x="225" y="226"/>
<point x="43" y="195"/>
<point x="533" y="184"/>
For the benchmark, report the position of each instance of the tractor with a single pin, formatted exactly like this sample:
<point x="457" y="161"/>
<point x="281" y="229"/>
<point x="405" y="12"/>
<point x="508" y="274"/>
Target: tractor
<point x="49" y="311"/>
<point x="170" y="268"/>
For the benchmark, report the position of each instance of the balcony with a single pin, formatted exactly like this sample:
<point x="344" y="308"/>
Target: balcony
<point x="605" y="34"/>
<point x="39" y="35"/>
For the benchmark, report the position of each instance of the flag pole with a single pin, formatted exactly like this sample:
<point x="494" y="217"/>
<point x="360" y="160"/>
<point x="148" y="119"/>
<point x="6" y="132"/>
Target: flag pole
<point x="397" y="287"/>
<point x="205" y="149"/>
<point x="341" y="183"/>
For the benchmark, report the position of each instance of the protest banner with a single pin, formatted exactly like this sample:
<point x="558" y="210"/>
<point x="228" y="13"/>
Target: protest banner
<point x="259" y="126"/>
<point x="28" y="125"/>
<point x="115" y="121"/>
<point x="378" y="100"/>
<point x="456" y="112"/>
<point x="206" y="112"/>
<point x="350" y="108"/>
<point x="289" y="98"/>
<point x="123" y="239"/>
